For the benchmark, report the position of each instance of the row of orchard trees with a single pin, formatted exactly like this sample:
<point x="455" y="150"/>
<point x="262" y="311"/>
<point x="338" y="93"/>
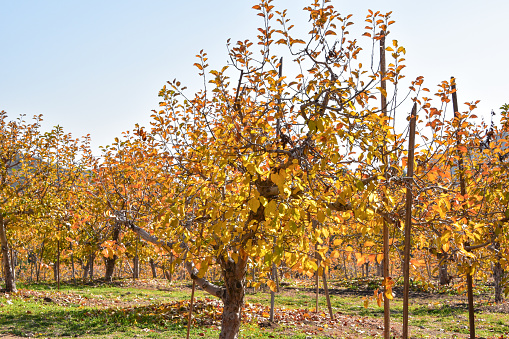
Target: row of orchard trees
<point x="265" y="170"/>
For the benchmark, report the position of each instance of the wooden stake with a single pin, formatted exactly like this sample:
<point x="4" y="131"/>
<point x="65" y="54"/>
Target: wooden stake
<point x="190" y="311"/>
<point x="387" y="309"/>
<point x="470" y="293"/>
<point x="317" y="282"/>
<point x="327" y="296"/>
<point x="408" y="220"/>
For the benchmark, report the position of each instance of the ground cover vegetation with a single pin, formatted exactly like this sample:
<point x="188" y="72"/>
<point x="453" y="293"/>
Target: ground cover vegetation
<point x="298" y="159"/>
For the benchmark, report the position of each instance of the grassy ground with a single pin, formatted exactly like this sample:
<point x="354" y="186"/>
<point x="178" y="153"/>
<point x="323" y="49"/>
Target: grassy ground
<point x="157" y="309"/>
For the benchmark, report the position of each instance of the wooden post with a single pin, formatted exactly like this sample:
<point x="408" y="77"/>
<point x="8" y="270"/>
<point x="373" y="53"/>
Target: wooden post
<point x="470" y="293"/>
<point x="317" y="281"/>
<point x="387" y="309"/>
<point x="272" y="293"/>
<point x="274" y="270"/>
<point x="327" y="296"/>
<point x="272" y="304"/>
<point x="58" y="257"/>
<point x="408" y="219"/>
<point x="190" y="311"/>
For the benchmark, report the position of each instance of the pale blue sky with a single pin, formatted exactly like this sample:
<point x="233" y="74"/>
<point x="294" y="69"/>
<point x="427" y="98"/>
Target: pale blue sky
<point x="97" y="66"/>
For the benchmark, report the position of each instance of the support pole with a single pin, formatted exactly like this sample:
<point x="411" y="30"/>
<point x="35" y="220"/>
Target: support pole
<point x="327" y="296"/>
<point x="387" y="309"/>
<point x="463" y="191"/>
<point x="408" y="220"/>
<point x="190" y="318"/>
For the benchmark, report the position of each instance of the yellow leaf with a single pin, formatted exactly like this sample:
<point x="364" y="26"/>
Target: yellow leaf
<point x="388" y="293"/>
<point x="445" y="247"/>
<point x="271" y="208"/>
<point x="251" y="169"/>
<point x="325" y="232"/>
<point x="320" y="216"/>
<point x="253" y="204"/>
<point x="272" y="285"/>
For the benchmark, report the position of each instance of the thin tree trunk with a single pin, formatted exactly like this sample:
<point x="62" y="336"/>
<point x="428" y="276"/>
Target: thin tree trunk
<point x="38" y="268"/>
<point x="89" y="268"/>
<point x="136" y="267"/>
<point x="55" y="272"/>
<point x="73" y="268"/>
<point x="85" y="269"/>
<point x="344" y="265"/>
<point x="153" y="268"/>
<point x="110" y="262"/>
<point x="10" y="282"/>
<point x="136" y="262"/>
<point x="498" y="275"/>
<point x="443" y="274"/>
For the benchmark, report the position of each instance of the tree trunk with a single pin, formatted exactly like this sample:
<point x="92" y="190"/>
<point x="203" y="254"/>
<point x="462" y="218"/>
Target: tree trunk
<point x="109" y="265"/>
<point x="55" y="272"/>
<point x="73" y="269"/>
<point x="38" y="268"/>
<point x="380" y="268"/>
<point x="85" y="269"/>
<point x="89" y="267"/>
<point x="136" y="268"/>
<point x="153" y="268"/>
<point x="14" y="261"/>
<point x="443" y="276"/>
<point x="344" y="265"/>
<point x="234" y="283"/>
<point x="10" y="283"/>
<point x="110" y="262"/>
<point x="498" y="274"/>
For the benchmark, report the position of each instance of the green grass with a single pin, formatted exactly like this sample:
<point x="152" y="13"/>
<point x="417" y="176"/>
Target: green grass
<point x="114" y="311"/>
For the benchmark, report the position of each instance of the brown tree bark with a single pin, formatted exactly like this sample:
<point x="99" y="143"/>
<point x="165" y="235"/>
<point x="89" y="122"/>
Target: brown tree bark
<point x="10" y="282"/>
<point x="234" y="274"/>
<point x="153" y="268"/>
<point x="498" y="276"/>
<point x="443" y="275"/>
<point x="38" y="266"/>
<point x="136" y="267"/>
<point x="88" y="272"/>
<point x="110" y="262"/>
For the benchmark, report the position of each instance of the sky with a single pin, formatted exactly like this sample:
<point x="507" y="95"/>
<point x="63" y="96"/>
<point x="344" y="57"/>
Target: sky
<point x="96" y="67"/>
